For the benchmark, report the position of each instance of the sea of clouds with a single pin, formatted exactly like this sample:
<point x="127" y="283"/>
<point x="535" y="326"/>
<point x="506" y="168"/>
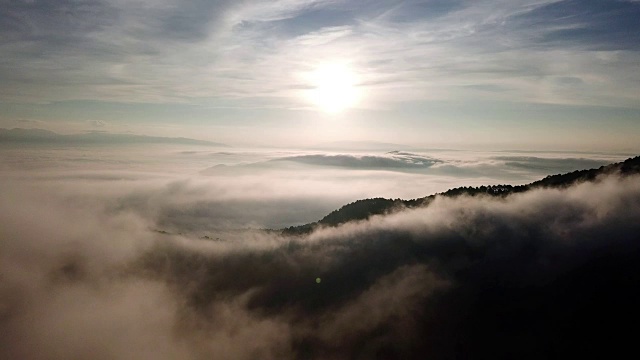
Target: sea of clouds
<point x="102" y="256"/>
<point x="204" y="190"/>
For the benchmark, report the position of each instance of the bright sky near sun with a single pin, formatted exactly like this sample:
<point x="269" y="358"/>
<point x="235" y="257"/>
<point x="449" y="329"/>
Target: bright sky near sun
<point x="553" y="74"/>
<point x="334" y="88"/>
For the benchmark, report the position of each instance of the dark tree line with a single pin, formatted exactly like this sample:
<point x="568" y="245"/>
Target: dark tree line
<point x="364" y="209"/>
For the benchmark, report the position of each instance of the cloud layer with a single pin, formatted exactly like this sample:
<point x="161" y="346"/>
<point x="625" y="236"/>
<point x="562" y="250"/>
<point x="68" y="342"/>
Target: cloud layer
<point x="200" y="190"/>
<point x="390" y="161"/>
<point x="543" y="74"/>
<point x="540" y="274"/>
<point x="564" y="52"/>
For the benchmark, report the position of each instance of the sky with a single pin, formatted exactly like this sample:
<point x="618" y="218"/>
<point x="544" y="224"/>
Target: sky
<point x="492" y="74"/>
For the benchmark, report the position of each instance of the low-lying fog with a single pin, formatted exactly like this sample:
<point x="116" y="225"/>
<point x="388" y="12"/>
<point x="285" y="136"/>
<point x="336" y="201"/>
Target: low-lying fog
<point x="102" y="256"/>
<point x="203" y="189"/>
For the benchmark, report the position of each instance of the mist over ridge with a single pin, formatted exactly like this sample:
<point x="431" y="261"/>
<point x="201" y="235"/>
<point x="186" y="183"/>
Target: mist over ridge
<point x="365" y="208"/>
<point x="547" y="272"/>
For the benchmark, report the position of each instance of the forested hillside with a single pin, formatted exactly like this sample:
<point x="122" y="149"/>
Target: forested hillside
<point x="363" y="209"/>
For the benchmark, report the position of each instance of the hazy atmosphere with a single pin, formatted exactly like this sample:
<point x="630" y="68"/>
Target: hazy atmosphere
<point x="302" y="179"/>
<point x="493" y="73"/>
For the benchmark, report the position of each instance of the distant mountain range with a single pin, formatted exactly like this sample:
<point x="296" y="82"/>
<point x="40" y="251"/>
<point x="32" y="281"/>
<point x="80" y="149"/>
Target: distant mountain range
<point x="41" y="136"/>
<point x="364" y="209"/>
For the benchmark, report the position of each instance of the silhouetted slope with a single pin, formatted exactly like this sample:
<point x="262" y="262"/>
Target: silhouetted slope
<point x="359" y="210"/>
<point x="363" y="209"/>
<point x="627" y="167"/>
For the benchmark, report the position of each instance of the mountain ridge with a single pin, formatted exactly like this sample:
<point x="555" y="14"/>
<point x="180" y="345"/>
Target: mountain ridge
<point x="365" y="208"/>
<point x="22" y="135"/>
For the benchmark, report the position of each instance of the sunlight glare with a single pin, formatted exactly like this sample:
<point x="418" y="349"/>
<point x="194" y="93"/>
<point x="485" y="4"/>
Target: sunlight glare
<point x="334" y="88"/>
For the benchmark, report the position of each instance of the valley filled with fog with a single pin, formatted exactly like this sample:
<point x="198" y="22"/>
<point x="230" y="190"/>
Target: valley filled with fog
<point x="164" y="252"/>
<point x="203" y="189"/>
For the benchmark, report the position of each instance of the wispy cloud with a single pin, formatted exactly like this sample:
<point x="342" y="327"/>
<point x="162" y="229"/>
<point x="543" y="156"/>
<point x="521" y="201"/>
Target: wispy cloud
<point x="198" y="51"/>
<point x="97" y="123"/>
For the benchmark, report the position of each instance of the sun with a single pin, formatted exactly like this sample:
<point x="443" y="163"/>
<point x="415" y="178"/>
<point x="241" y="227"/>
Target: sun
<point x="334" y="88"/>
